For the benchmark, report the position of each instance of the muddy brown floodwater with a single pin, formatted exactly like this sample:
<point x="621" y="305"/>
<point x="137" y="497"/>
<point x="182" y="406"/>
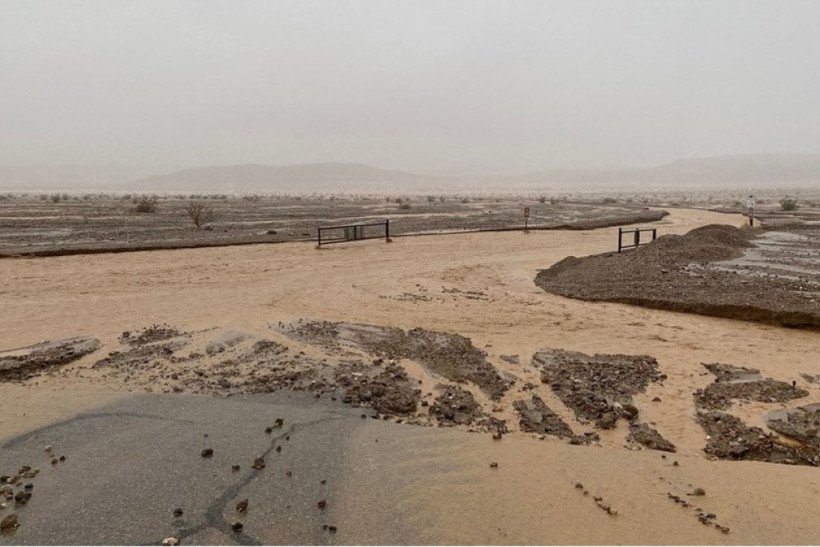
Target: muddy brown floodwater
<point x="218" y="322"/>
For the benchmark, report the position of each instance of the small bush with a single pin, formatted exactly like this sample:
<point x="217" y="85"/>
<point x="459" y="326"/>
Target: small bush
<point x="542" y="199"/>
<point x="609" y="200"/>
<point x="404" y="205"/>
<point x="145" y="204"/>
<point x="199" y="213"/>
<point x="788" y="204"/>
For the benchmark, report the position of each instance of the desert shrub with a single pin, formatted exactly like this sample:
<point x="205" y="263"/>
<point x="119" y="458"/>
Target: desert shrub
<point x="43" y="197"/>
<point x="55" y="198"/>
<point x="442" y="199"/>
<point x="609" y="200"/>
<point x="199" y="213"/>
<point x="554" y="201"/>
<point x="788" y="204"/>
<point x="465" y="200"/>
<point x="145" y="204"/>
<point x="404" y="205"/>
<point x="431" y="199"/>
<point x="542" y="199"/>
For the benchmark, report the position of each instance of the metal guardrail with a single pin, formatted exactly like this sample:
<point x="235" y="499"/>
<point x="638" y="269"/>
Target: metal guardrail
<point x="351" y="232"/>
<point x="636" y="237"/>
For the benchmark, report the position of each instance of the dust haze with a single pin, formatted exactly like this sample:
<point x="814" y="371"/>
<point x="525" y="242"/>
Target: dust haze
<point x="113" y="92"/>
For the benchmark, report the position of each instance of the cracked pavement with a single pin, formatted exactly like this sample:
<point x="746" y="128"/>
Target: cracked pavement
<point x="129" y="465"/>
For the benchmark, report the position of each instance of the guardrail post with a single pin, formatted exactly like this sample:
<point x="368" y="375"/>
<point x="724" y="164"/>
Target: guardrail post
<point x="620" y="237"/>
<point x="387" y="230"/>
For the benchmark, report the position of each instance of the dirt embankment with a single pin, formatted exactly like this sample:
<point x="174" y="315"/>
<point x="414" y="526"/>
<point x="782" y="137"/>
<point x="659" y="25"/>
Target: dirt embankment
<point x="32" y="360"/>
<point x="681" y="273"/>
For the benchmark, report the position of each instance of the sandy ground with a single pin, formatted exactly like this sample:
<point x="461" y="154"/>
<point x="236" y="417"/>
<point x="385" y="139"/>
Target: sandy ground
<point x="248" y="288"/>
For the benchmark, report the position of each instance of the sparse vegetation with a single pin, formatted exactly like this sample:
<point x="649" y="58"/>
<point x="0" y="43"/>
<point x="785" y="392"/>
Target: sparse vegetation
<point x="609" y="200"/>
<point x="199" y="213"/>
<point x="404" y="205"/>
<point x="788" y="204"/>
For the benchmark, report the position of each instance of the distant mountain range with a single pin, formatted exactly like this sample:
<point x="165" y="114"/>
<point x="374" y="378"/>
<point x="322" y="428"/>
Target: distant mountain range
<point x="751" y="171"/>
<point x="305" y="177"/>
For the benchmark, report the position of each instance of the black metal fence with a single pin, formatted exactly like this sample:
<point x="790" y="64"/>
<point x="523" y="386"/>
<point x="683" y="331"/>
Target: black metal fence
<point x="353" y="232"/>
<point x="635" y="240"/>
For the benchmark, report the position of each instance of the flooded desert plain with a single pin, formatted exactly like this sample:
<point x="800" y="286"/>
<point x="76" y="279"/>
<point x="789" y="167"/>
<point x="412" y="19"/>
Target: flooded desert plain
<point x="420" y="391"/>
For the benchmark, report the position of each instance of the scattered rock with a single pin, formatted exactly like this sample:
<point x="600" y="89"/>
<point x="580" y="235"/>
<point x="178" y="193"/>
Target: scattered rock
<point x="22" y="497"/>
<point x="172" y="540"/>
<point x="600" y="387"/>
<point x="207" y="452"/>
<point x="242" y="506"/>
<point x="537" y="417"/>
<point x="150" y="335"/>
<point x="455" y="406"/>
<point x="237" y="527"/>
<point x="9" y="522"/>
<point x="390" y="391"/>
<point x="33" y="360"/>
<point x="719" y="394"/>
<point x="178" y="512"/>
<point x="646" y="436"/>
<point x="729" y="438"/>
<point x="801" y="423"/>
<point x="321" y="504"/>
<point x="450" y="355"/>
<point x="258" y="463"/>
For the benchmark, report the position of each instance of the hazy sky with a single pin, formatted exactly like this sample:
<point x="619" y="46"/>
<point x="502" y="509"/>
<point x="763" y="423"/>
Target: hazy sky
<point x="455" y="85"/>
